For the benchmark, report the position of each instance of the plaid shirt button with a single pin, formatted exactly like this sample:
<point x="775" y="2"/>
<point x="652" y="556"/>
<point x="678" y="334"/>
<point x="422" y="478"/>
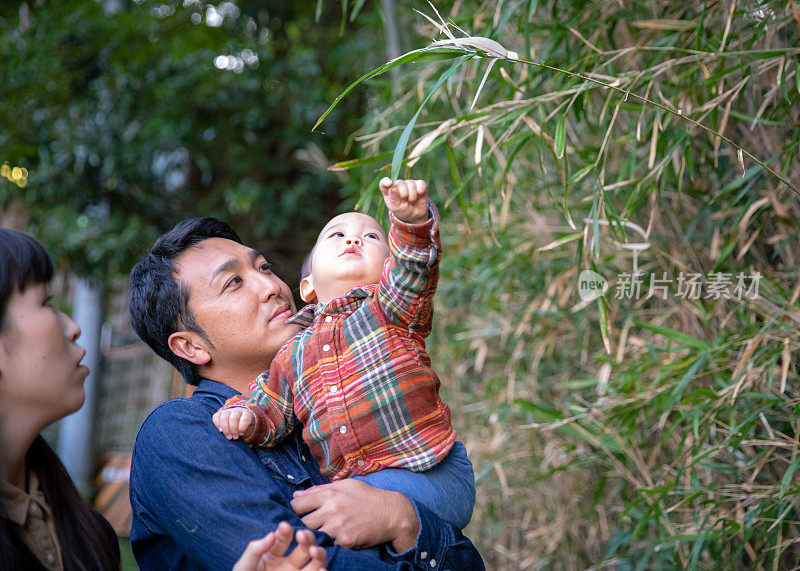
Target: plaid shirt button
<point x="360" y="463"/>
<point x="326" y="347"/>
<point x="328" y="319"/>
<point x="334" y="388"/>
<point x="342" y="429"/>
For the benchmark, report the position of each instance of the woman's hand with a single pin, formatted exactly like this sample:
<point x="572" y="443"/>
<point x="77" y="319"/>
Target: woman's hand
<point x="269" y="552"/>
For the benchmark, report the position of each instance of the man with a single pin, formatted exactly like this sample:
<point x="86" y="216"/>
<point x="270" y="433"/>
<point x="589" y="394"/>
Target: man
<point x="211" y="307"/>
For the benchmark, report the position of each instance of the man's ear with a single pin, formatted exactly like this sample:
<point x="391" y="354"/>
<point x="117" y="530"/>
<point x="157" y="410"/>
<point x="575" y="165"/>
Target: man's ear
<point x="190" y="346"/>
<point x="307" y="292"/>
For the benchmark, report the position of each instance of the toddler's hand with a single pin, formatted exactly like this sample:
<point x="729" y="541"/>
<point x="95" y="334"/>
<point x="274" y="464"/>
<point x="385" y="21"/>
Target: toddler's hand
<point x="406" y="199"/>
<point x="234" y="422"/>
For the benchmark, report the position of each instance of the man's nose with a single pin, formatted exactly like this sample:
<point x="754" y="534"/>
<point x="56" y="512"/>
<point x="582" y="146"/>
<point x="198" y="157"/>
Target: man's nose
<point x="269" y="286"/>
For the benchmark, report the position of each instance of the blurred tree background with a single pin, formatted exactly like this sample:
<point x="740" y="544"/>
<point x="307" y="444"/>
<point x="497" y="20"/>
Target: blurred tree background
<point x="128" y="115"/>
<point x="655" y="426"/>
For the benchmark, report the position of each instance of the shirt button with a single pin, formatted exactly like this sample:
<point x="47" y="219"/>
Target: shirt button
<point x="326" y="347"/>
<point x="360" y="463"/>
<point x="433" y="562"/>
<point x="334" y="388"/>
<point x="34" y="509"/>
<point x="303" y="457"/>
<point x="290" y="476"/>
<point x="424" y="555"/>
<point x="328" y="319"/>
<point x="342" y="429"/>
<point x="51" y="558"/>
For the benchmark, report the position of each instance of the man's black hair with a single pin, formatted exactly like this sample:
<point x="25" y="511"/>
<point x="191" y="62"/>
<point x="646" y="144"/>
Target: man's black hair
<point x="159" y="303"/>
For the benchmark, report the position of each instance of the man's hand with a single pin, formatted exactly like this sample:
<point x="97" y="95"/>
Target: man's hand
<point x="269" y="552"/>
<point x="357" y="515"/>
<point x="406" y="199"/>
<point x="234" y="422"/>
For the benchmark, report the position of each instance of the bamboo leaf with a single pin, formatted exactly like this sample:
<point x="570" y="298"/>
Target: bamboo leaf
<point x="347" y="165"/>
<point x="560" y="137"/>
<point x="400" y="149"/>
<point x="426" y="54"/>
<point x="787" y="477"/>
<point x="677" y="392"/>
<point x="677" y="336"/>
<point x="344" y="18"/>
<point x="483" y="81"/>
<point x="547" y="415"/>
<point x="561" y="241"/>
<point x="357" y="5"/>
<point x="578" y="176"/>
<point x="601" y="307"/>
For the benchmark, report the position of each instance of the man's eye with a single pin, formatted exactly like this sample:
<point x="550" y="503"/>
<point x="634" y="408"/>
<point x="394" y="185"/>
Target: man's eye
<point x="265" y="267"/>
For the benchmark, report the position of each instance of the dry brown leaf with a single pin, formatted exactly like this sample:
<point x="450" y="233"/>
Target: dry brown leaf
<point x="665" y="24"/>
<point x="427" y="140"/>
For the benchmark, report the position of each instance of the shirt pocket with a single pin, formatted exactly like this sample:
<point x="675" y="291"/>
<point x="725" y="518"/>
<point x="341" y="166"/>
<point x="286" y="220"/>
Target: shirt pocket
<point x="293" y="473"/>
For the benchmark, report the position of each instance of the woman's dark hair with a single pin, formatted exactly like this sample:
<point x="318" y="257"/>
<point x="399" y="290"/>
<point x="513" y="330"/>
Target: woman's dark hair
<point x="23" y="261"/>
<point x="159" y="303"/>
<point x="84" y="541"/>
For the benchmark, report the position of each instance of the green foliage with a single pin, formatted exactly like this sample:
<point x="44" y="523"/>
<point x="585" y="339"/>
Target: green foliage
<point x="631" y="431"/>
<point x="130" y="120"/>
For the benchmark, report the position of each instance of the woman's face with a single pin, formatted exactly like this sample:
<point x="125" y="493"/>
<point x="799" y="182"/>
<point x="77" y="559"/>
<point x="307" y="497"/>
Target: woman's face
<point x="40" y="372"/>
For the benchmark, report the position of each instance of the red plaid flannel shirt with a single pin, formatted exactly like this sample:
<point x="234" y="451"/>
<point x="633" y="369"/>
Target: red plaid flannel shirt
<point x="358" y="378"/>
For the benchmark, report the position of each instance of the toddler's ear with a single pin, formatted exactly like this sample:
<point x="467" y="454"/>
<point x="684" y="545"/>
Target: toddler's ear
<point x="307" y="292"/>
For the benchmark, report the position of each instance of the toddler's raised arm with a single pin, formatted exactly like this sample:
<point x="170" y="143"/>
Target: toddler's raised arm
<point x="409" y="278"/>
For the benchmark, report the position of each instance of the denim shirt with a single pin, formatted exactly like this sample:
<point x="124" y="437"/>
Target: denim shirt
<point x="198" y="498"/>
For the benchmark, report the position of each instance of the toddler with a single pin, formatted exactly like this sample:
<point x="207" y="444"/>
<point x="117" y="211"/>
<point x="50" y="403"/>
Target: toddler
<point x="357" y="377"/>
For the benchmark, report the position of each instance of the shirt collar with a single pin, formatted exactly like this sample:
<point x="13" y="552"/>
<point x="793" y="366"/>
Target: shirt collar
<point x="16" y="501"/>
<point x="207" y="387"/>
<point x="311" y="312"/>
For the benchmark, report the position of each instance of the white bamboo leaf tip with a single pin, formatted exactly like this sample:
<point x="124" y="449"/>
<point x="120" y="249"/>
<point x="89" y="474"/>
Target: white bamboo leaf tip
<point x="488" y="46"/>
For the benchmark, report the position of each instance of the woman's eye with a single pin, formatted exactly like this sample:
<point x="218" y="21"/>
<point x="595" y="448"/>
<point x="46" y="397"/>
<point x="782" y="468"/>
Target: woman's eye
<point x="235" y="280"/>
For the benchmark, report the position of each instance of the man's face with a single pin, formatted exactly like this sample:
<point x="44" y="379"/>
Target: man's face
<point x="240" y="305"/>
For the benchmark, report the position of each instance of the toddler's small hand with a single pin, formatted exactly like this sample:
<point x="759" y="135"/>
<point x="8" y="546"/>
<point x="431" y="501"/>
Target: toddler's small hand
<point x="406" y="199"/>
<point x="234" y="422"/>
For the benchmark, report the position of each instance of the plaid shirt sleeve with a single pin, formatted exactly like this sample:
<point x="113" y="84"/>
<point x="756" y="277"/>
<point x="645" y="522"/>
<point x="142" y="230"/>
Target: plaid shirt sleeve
<point x="410" y="275"/>
<point x="271" y="401"/>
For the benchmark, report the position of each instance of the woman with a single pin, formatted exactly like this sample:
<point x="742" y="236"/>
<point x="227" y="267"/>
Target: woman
<point x="44" y="522"/>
